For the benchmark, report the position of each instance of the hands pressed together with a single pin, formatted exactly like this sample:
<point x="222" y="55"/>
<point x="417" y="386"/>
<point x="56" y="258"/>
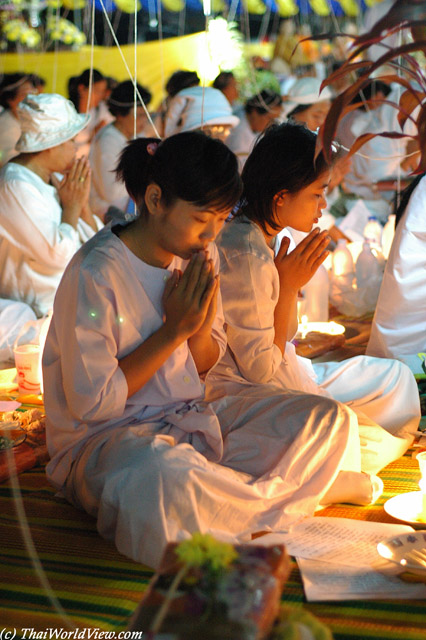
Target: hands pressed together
<point x="295" y="269"/>
<point x="190" y="298"/>
<point x="74" y="190"/>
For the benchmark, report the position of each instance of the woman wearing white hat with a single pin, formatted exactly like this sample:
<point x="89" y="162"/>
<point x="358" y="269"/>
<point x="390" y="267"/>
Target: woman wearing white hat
<point x="43" y="220"/>
<point x="202" y="108"/>
<point x="304" y="103"/>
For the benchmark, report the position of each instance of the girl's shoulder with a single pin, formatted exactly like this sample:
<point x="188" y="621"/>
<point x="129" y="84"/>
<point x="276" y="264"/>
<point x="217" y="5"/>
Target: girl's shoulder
<point x="240" y="237"/>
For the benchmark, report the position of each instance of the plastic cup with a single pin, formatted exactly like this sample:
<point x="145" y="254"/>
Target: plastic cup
<point x="27" y="363"/>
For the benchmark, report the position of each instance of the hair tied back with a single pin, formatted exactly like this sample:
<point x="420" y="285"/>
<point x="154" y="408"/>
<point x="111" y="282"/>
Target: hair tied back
<point x="151" y="147"/>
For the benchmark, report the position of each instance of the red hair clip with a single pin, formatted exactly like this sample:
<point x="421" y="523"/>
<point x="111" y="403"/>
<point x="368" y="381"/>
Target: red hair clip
<point x="151" y="147"/>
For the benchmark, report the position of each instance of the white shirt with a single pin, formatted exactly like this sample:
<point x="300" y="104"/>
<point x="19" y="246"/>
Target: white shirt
<point x="108" y="303"/>
<point x="35" y="246"/>
<point x="106" y="190"/>
<point x="399" y="324"/>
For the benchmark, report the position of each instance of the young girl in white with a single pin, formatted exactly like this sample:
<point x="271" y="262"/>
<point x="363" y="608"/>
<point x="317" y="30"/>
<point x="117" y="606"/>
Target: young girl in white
<point x="284" y="187"/>
<point x="137" y="325"/>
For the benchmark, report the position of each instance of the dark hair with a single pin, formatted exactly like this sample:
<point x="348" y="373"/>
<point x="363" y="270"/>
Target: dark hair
<point x="369" y="91"/>
<point x="121" y="100"/>
<point x="37" y="80"/>
<point x="263" y="101"/>
<point x="282" y="159"/>
<point x="83" y="79"/>
<point x="10" y="85"/>
<point x="299" y="109"/>
<point x="181" y="80"/>
<point x="222" y="80"/>
<point x="405" y="197"/>
<point x="187" y="166"/>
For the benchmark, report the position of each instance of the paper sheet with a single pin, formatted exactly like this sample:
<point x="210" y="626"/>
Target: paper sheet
<point x="338" y="540"/>
<point x="338" y="559"/>
<point x="324" y="581"/>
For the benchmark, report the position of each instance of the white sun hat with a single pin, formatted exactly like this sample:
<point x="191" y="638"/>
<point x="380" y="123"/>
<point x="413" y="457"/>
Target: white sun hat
<point x="47" y="120"/>
<point x="196" y="107"/>
<point x="306" y="91"/>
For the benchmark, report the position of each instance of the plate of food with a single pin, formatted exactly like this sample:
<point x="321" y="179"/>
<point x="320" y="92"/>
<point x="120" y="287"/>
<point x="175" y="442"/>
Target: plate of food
<point x="11" y="434"/>
<point x="407" y="550"/>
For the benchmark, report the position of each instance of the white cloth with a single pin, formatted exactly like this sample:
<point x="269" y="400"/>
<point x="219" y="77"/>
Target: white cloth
<point x="399" y="323"/>
<point x="13" y="316"/>
<point x="35" y="246"/>
<point x="105" y="190"/>
<point x="241" y="140"/>
<point x="381" y="392"/>
<point x="10" y="132"/>
<point x="146" y="466"/>
<point x="372" y="15"/>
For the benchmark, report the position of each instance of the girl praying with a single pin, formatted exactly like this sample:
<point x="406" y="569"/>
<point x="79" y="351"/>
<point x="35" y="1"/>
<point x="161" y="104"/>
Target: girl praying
<point x="136" y="329"/>
<point x="260" y="279"/>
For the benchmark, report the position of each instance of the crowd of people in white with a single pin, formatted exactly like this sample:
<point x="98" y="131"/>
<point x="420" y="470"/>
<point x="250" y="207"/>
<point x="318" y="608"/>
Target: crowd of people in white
<point x="243" y="414"/>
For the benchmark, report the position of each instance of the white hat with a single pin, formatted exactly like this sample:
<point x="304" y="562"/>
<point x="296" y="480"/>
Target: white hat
<point x="306" y="91"/>
<point x="196" y="107"/>
<point x="47" y="120"/>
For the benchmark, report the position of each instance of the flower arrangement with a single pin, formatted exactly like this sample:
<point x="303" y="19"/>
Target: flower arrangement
<point x="18" y="32"/>
<point x="39" y="26"/>
<point x="217" y="590"/>
<point x="65" y="32"/>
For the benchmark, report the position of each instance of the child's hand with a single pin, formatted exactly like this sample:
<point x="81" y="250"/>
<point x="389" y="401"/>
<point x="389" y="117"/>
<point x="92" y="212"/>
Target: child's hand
<point x="295" y="269"/>
<point x="189" y="298"/>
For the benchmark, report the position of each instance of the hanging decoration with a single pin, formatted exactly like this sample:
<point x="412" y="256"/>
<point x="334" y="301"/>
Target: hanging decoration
<point x="320" y="7"/>
<point x="350" y="7"/>
<point x="287" y="8"/>
<point x="255" y="6"/>
<point x="173" y="5"/>
<point x="127" y="6"/>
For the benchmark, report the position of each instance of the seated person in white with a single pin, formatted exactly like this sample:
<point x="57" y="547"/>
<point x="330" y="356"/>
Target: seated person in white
<point x="13" y="88"/>
<point x="283" y="187"/>
<point x="87" y="93"/>
<point x="106" y="190"/>
<point x="137" y="326"/>
<point x="259" y="111"/>
<point x="43" y="220"/>
<point x="381" y="158"/>
<point x="200" y="108"/>
<point x="399" y="323"/>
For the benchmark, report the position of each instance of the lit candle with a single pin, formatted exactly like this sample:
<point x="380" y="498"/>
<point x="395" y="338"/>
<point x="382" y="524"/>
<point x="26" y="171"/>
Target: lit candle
<point x="421" y="459"/>
<point x="331" y="328"/>
<point x="304" y="327"/>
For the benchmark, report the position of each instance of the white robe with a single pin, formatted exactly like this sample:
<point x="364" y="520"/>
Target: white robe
<point x="241" y="140"/>
<point x="381" y="392"/>
<point x="35" y="246"/>
<point x="105" y="189"/>
<point x="399" y="324"/>
<point x="151" y="467"/>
